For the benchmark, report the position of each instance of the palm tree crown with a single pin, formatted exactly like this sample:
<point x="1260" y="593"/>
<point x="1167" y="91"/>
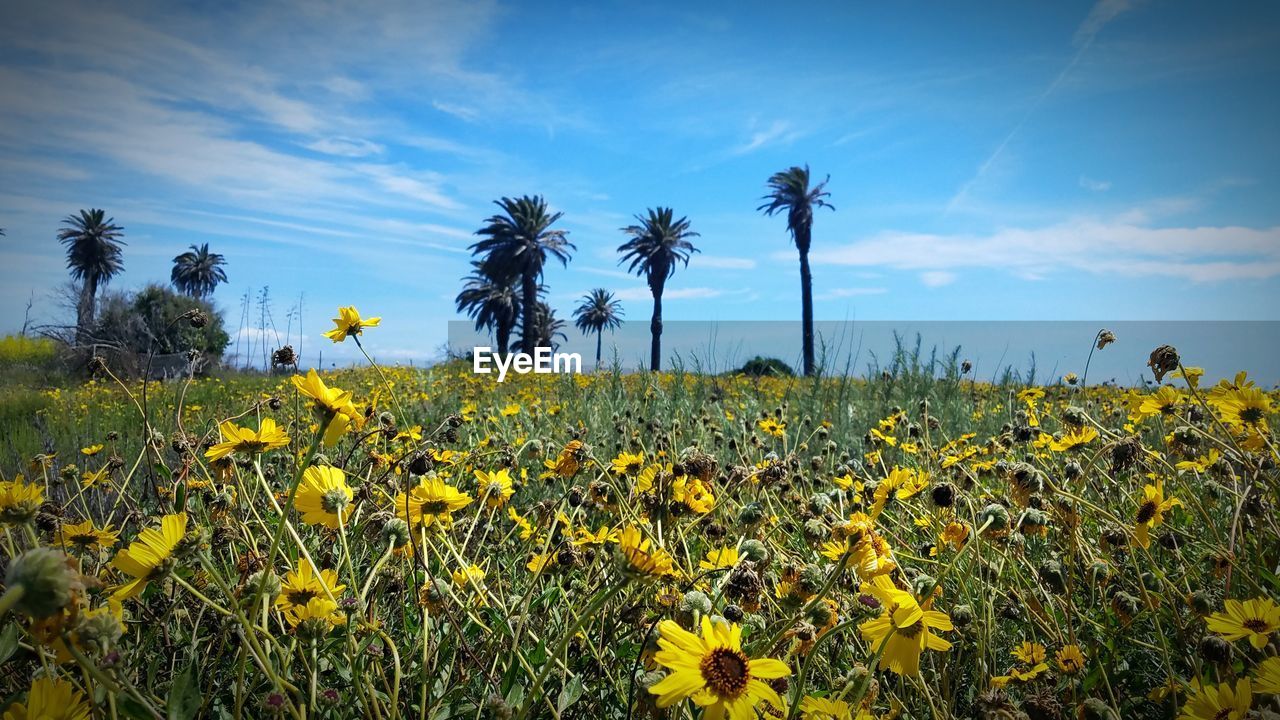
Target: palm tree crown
<point x="94" y="256"/>
<point x="790" y="189"/>
<point x="548" y="329"/>
<point x="657" y="244"/>
<point x="519" y="240"/>
<point x="598" y="311"/>
<point x="492" y="300"/>
<point x="197" y="272"/>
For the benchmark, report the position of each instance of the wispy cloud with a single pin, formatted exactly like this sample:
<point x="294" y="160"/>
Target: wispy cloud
<point x="1103" y="12"/>
<point x="694" y="293"/>
<point x="1089" y="183"/>
<point x="721" y="262"/>
<point x="1199" y="254"/>
<point x="776" y="132"/>
<point x="842" y="293"/>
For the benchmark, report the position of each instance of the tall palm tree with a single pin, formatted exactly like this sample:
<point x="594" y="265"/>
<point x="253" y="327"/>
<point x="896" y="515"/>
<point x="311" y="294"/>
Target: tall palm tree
<point x="94" y="252"/>
<point x="656" y="245"/>
<point x="197" y="272"/>
<point x="546" y="327"/>
<point x="790" y="190"/>
<point x="491" y="299"/>
<point x="519" y="241"/>
<point x="597" y="312"/>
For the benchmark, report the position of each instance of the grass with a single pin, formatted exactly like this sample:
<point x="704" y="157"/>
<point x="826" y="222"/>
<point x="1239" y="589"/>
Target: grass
<point x="800" y="510"/>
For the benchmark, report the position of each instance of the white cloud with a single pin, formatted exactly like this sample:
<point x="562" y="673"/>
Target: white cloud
<point x="840" y="293"/>
<point x="779" y="131"/>
<point x="937" y="278"/>
<point x="1103" y="12"/>
<point x="1198" y="254"/>
<point x="1089" y="183"/>
<point x="346" y="147"/>
<point x="461" y="112"/>
<point x="695" y="293"/>
<point x="720" y="262"/>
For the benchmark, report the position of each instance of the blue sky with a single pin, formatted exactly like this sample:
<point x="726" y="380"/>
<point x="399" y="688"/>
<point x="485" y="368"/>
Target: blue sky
<point x="1059" y="161"/>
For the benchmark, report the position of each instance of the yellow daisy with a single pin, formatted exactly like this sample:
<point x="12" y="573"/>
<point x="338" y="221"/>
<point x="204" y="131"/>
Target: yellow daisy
<point x="150" y="556"/>
<point x="713" y="671"/>
<point x="324" y="497"/>
<point x="349" y="323"/>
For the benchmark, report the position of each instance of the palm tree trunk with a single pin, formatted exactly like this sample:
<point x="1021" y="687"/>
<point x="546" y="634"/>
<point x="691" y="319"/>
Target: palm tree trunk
<point x="504" y="338"/>
<point x="806" y="309"/>
<point x="655" y="328"/>
<point x="529" y="313"/>
<point x="85" y="308"/>
<point x="599" y="339"/>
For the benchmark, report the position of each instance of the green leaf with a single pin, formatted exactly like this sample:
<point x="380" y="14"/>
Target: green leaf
<point x="131" y="708"/>
<point x="8" y="641"/>
<point x="569" y="694"/>
<point x="184" y="696"/>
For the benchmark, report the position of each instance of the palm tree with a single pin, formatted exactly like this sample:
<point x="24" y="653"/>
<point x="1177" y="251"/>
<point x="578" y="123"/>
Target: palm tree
<point x="94" y="257"/>
<point x="599" y="311"/>
<point x="656" y="245"/>
<point x="519" y="241"/>
<point x="490" y="298"/>
<point x="197" y="272"/>
<point x="546" y="327"/>
<point x="790" y="189"/>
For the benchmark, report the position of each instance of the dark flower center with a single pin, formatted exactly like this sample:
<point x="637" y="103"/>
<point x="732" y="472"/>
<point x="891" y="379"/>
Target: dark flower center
<point x="1251" y="416"/>
<point x="1147" y="511"/>
<point x="435" y="507"/>
<point x="1257" y="625"/>
<point x="301" y="597"/>
<point x="726" y="671"/>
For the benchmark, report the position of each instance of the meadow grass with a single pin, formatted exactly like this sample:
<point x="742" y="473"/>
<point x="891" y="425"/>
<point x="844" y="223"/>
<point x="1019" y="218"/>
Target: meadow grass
<point x="914" y="544"/>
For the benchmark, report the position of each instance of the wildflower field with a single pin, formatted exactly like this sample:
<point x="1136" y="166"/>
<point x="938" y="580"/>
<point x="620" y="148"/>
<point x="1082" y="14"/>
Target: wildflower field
<point x="390" y="542"/>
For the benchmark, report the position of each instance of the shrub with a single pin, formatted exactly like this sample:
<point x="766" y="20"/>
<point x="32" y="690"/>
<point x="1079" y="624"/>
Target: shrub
<point x="134" y="321"/>
<point x="763" y="366"/>
<point x="25" y="350"/>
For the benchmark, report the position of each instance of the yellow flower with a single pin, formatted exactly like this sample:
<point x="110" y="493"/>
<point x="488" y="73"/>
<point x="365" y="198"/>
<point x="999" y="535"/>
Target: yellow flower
<point x="955" y="533"/>
<point x="86" y="537"/>
<point x="1073" y="439"/>
<point x="772" y="427"/>
<point x="1203" y="463"/>
<point x="1266" y="676"/>
<point x="495" y="487"/>
<point x="91" y="478"/>
<point x="19" y="501"/>
<point x="324" y="497"/>
<point x="1161" y="402"/>
<point x="1243" y="408"/>
<point x="721" y="558"/>
<point x="1253" y="619"/>
<point x="348" y="322"/>
<point x="641" y="555"/>
<point x="1070" y="659"/>
<point x="1191" y="374"/>
<point x="599" y="537"/>
<point x="1151" y="511"/>
<point x="904" y="629"/>
<point x="431" y="502"/>
<point x="51" y="699"/>
<point x="299" y="587"/>
<point x="901" y="484"/>
<point x="1219" y="703"/>
<point x="869" y="554"/>
<point x="320" y="610"/>
<point x="628" y="463"/>
<point x="713" y="671"/>
<point x="694" y="493"/>
<point x="815" y="708"/>
<point x="91" y="450"/>
<point x="471" y="579"/>
<point x="336" y="410"/>
<point x="540" y="561"/>
<point x="1029" y="652"/>
<point x="526" y="528"/>
<point x="244" y="440"/>
<point x="509" y="410"/>
<point x="148" y="557"/>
